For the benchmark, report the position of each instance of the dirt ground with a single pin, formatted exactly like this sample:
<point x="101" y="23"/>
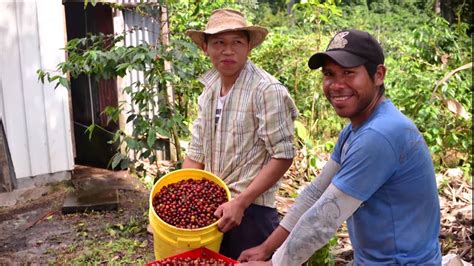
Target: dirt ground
<point x="34" y="231"/>
<point x="37" y="232"/>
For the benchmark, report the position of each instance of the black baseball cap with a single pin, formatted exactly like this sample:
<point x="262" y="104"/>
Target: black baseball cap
<point x="350" y="48"/>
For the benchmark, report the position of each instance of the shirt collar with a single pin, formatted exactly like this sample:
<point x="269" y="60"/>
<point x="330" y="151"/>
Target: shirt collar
<point x="211" y="76"/>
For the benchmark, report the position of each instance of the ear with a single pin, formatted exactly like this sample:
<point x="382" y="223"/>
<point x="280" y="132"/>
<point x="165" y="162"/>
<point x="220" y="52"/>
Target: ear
<point x="380" y="75"/>
<point x="204" y="48"/>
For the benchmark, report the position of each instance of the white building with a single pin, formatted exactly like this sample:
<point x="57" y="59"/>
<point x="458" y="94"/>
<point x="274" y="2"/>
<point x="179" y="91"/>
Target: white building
<point x="44" y="126"/>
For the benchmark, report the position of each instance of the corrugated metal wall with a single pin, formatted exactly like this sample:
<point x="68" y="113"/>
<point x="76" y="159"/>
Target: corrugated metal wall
<point x="36" y="116"/>
<point x="139" y="29"/>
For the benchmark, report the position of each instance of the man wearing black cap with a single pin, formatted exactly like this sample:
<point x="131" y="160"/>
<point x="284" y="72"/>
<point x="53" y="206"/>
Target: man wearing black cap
<point x="380" y="178"/>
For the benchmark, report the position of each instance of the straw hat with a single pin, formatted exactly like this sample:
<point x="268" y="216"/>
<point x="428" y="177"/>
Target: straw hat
<point x="224" y="20"/>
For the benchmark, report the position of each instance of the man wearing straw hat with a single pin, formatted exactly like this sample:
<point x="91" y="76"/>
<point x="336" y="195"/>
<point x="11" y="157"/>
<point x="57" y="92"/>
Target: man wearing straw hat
<point x="244" y="130"/>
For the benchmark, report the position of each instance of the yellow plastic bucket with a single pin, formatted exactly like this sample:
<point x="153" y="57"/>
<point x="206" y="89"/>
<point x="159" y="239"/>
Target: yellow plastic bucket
<point x="169" y="240"/>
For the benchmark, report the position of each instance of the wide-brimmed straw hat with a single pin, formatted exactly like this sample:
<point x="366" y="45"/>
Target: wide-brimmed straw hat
<point x="224" y="20"/>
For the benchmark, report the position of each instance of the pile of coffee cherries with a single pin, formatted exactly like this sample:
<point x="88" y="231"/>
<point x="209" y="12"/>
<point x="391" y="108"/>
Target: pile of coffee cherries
<point x="189" y="203"/>
<point x="191" y="262"/>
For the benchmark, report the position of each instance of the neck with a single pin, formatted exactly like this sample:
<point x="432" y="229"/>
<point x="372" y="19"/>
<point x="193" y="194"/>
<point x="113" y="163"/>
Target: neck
<point x="368" y="111"/>
<point x="226" y="85"/>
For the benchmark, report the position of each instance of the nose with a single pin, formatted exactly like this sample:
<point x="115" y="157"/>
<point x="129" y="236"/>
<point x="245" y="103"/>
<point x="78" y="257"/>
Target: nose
<point x="336" y="85"/>
<point x="228" y="49"/>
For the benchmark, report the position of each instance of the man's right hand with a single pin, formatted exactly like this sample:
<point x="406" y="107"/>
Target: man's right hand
<point x="188" y="163"/>
<point x="258" y="253"/>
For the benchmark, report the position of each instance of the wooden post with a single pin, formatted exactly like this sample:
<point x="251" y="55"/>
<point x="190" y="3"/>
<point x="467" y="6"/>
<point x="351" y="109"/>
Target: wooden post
<point x="175" y="147"/>
<point x="7" y="173"/>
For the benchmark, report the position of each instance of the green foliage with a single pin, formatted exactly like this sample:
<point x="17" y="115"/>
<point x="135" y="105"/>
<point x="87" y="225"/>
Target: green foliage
<point x="323" y="256"/>
<point x="311" y="14"/>
<point x="421" y="48"/>
<point x="149" y="111"/>
<point x="304" y="85"/>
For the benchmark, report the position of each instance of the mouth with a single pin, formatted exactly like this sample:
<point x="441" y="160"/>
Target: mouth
<point x="340" y="99"/>
<point x="227" y="61"/>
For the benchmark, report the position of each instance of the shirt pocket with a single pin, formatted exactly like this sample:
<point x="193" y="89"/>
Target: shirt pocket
<point x="244" y="130"/>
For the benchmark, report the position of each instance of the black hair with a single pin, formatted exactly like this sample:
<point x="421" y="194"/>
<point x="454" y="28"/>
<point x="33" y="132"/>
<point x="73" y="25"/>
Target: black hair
<point x="371" y="69"/>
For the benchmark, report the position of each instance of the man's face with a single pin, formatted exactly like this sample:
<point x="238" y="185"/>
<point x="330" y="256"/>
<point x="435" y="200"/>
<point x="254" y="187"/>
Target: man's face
<point x="351" y="91"/>
<point x="228" y="52"/>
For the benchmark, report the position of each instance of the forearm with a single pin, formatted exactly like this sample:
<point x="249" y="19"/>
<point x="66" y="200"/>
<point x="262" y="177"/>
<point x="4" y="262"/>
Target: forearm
<point x="316" y="227"/>
<point x="310" y="195"/>
<point x="188" y="163"/>
<point x="276" y="238"/>
<point x="265" y="179"/>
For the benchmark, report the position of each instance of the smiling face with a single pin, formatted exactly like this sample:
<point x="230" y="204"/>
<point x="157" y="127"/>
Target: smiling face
<point x="228" y="52"/>
<point x="351" y="91"/>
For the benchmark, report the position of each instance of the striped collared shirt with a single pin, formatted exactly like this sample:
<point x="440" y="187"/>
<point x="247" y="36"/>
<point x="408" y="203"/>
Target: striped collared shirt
<point x="256" y="124"/>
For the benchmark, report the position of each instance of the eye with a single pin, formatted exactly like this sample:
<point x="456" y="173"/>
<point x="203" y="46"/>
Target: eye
<point x="326" y="73"/>
<point x="348" y="72"/>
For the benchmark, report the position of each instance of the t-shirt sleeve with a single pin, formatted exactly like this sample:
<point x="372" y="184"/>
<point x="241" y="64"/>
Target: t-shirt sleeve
<point x="369" y="162"/>
<point x="336" y="154"/>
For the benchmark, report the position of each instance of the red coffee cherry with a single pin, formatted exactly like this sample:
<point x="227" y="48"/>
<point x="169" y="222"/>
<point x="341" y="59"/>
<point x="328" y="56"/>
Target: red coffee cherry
<point x="191" y="262"/>
<point x="190" y="203"/>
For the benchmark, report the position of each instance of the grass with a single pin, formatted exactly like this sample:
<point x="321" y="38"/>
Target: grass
<point x="117" y="244"/>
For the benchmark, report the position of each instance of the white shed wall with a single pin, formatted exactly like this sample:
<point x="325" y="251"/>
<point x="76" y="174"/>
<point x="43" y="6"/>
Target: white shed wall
<point x="36" y="116"/>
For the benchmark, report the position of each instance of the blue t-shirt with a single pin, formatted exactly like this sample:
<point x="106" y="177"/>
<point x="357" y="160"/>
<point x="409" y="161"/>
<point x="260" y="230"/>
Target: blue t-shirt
<point x="386" y="164"/>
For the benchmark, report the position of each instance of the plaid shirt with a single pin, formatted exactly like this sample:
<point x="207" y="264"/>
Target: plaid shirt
<point x="256" y="125"/>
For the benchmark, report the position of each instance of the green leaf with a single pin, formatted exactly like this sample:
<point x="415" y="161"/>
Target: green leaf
<point x="121" y="69"/>
<point x="116" y="160"/>
<point x="41" y="74"/>
<point x="64" y="82"/>
<point x="132" y="143"/>
<point x="131" y="117"/>
<point x="89" y="130"/>
<point x="124" y="163"/>
<point x="152" y="159"/>
<point x="145" y="154"/>
<point x="301" y="131"/>
<point x="163" y="132"/>
<point x="151" y="139"/>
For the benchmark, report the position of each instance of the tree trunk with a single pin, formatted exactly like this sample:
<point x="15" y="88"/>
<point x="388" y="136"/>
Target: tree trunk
<point x="165" y="40"/>
<point x="437" y="7"/>
<point x="7" y="173"/>
<point x="289" y="6"/>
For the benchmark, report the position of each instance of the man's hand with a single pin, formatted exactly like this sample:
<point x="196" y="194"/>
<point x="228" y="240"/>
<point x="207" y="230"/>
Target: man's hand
<point x="230" y="214"/>
<point x="259" y="252"/>
<point x="255" y="263"/>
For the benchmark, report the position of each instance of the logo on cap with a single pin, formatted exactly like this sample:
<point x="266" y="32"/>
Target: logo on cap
<point x="338" y="42"/>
